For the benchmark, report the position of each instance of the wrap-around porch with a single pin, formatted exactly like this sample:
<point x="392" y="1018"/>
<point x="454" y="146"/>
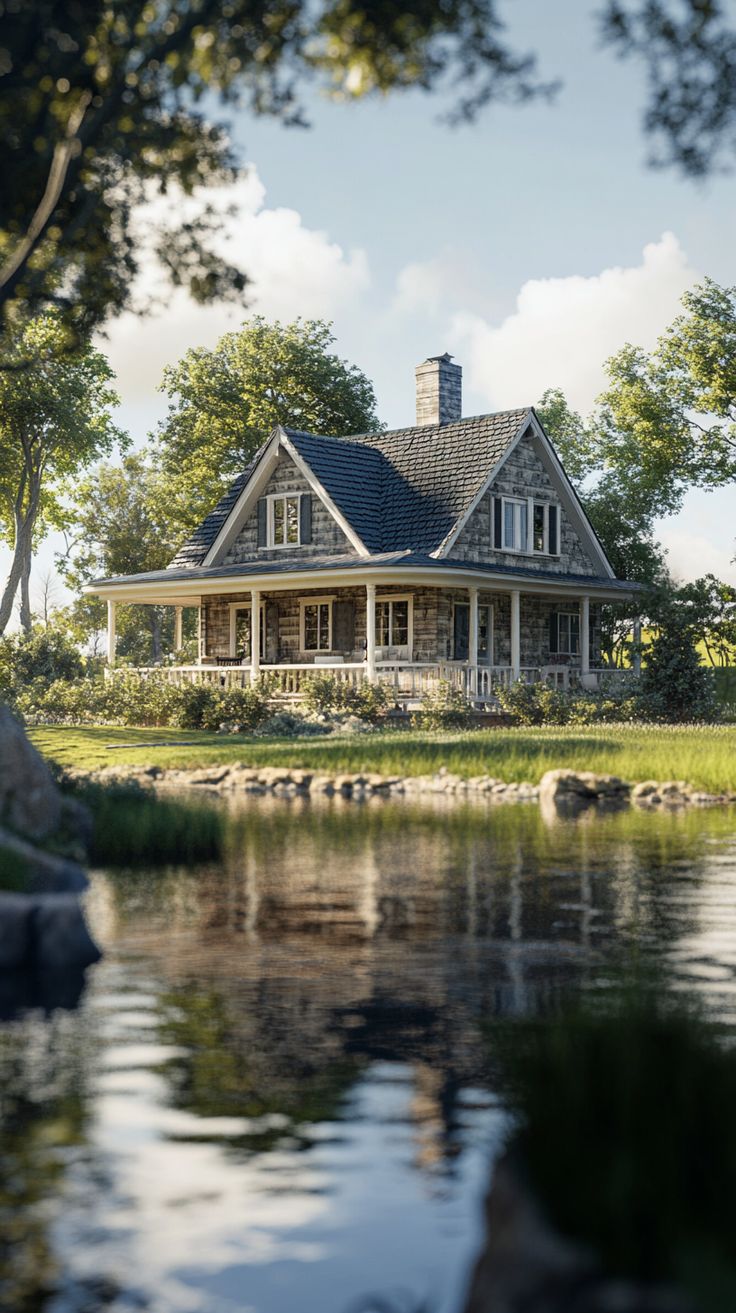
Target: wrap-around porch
<point x="409" y="636"/>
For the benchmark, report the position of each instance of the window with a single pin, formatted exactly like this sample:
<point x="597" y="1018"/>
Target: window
<point x="568" y="633"/>
<point x="514" y="525"/>
<point x="241" y="632"/>
<point x="316" y="625"/>
<point x="392" y="622"/>
<point x="284" y="520"/>
<point x="525" y="525"/>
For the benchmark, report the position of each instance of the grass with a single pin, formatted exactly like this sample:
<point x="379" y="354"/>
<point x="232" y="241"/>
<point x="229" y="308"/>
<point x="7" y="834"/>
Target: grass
<point x="704" y="756"/>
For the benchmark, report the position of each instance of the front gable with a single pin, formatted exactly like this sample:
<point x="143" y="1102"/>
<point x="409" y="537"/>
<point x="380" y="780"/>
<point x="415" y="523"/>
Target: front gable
<point x="529" y="476"/>
<point x="281" y="489"/>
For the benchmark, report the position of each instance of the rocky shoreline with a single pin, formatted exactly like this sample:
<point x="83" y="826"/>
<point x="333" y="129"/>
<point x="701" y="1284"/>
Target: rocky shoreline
<point x="567" y="791"/>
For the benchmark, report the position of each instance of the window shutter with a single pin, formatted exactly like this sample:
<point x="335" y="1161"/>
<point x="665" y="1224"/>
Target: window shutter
<point x="554" y="633"/>
<point x="343" y="626"/>
<point x="305" y="518"/>
<point x="262" y="522"/>
<point x="497" y="509"/>
<point x="554" y="530"/>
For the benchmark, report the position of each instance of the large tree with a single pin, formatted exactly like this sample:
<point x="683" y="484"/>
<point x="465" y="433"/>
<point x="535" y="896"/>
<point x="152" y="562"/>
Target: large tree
<point x="223" y="403"/>
<point x="101" y="104"/>
<point x="120" y="526"/>
<point x="55" y="420"/>
<point x="670" y="414"/>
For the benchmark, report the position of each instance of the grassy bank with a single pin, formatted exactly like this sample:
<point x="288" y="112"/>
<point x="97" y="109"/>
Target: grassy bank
<point x="704" y="756"/>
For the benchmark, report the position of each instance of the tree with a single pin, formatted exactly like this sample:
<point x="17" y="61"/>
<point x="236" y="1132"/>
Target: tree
<point x="674" y="683"/>
<point x="671" y="414"/>
<point x="224" y="403"/>
<point x="54" y="421"/>
<point x="711" y="606"/>
<point x="101" y="106"/>
<point x="121" y="528"/>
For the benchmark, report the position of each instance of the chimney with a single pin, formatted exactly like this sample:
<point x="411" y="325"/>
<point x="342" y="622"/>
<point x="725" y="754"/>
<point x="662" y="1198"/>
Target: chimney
<point x="439" y="391"/>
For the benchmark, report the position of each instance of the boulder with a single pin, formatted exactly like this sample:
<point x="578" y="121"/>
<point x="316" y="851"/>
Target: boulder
<point x="15" y="931"/>
<point x="567" y="792"/>
<point x="61" y="940"/>
<point x="30" y="802"/>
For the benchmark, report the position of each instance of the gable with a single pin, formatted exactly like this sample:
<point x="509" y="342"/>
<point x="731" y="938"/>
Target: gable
<point x="327" y="538"/>
<point x="523" y="475"/>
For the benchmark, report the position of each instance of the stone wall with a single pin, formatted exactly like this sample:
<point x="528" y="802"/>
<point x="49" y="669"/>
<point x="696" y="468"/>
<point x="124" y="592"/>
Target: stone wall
<point x="522" y="475"/>
<point x="327" y="536"/>
<point x="433" y="624"/>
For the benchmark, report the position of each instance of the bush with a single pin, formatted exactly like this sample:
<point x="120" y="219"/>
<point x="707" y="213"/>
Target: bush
<point x="45" y="655"/>
<point x="325" y="695"/>
<point x="543" y="704"/>
<point x="444" y="707"/>
<point x="674" y="685"/>
<point x="128" y="700"/>
<point x="290" y="725"/>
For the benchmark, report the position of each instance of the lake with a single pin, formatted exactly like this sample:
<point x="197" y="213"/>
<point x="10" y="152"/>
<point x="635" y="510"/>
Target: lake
<point x="278" y="1093"/>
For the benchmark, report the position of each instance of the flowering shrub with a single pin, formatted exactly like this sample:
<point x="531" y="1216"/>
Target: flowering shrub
<point x="325" y="695"/>
<point x="443" y="707"/>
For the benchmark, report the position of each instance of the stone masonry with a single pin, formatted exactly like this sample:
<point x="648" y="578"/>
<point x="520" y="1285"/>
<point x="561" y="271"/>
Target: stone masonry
<point x="327" y="536"/>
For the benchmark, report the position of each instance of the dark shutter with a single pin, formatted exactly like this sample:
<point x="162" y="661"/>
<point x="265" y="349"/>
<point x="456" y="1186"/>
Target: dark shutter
<point x="272" y="632"/>
<point x="497" y="508"/>
<point x="305" y="518"/>
<point x="554" y="531"/>
<point x="262" y="522"/>
<point x="343" y="626"/>
<point x="554" y="633"/>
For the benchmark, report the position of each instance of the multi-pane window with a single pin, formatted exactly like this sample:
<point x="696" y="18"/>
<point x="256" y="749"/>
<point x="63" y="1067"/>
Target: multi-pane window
<point x="241" y="632"/>
<point x="284" y="521"/>
<point x="514" y="524"/>
<point x="539" y="539"/>
<point x="392" y="623"/>
<point x="317" y="626"/>
<point x="568" y="633"/>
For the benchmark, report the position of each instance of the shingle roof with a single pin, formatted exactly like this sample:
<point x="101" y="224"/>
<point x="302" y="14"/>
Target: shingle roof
<point x="399" y="490"/>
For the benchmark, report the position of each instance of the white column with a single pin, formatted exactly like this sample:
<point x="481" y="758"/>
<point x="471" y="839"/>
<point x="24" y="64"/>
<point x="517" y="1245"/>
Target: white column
<point x="473" y="641"/>
<point x="516" y="634"/>
<point x="178" y="627"/>
<point x="637" y="647"/>
<point x="200" y="632"/>
<point x="111" y="617"/>
<point x="255" y="634"/>
<point x="585" y="635"/>
<point x="370" y="632"/>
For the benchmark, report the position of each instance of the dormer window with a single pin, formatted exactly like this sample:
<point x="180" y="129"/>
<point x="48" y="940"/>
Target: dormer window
<point x="527" y="526"/>
<point x="285" y="519"/>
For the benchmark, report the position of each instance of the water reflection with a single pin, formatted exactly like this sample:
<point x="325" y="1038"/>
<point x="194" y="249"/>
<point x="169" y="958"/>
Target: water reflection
<point x="279" y="1091"/>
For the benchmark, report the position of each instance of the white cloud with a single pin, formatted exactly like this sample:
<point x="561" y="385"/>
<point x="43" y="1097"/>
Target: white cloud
<point x="294" y="270"/>
<point x="562" y="330"/>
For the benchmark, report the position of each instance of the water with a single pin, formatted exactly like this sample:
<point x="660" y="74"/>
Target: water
<point x="278" y="1093"/>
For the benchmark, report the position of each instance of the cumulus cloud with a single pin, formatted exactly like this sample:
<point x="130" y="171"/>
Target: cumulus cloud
<point x="562" y="329"/>
<point x="294" y="270"/>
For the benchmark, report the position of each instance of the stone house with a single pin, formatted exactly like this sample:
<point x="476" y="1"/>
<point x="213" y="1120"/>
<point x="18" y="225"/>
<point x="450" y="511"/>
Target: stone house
<point x="454" y="549"/>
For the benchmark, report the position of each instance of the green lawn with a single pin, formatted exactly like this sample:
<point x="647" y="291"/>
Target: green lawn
<point x="703" y="756"/>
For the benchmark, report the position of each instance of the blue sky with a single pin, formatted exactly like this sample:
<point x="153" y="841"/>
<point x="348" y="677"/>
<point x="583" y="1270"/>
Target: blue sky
<point x="531" y="245"/>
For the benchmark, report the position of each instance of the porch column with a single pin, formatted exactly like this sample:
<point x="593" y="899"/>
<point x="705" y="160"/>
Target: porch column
<point x="585" y="635"/>
<point x="516" y="634"/>
<point x="473" y="641"/>
<point x="111" y="619"/>
<point x="178" y="627"/>
<point x="636" y="662"/>
<point x="255" y="634"/>
<point x="370" y="632"/>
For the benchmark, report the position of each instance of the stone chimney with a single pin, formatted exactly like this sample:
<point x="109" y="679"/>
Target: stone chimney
<point x="439" y="391"/>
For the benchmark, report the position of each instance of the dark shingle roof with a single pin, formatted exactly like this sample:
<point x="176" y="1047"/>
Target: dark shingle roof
<point x="400" y="490"/>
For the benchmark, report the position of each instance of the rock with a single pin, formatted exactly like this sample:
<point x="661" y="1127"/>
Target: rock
<point x="15" y="931"/>
<point x="42" y="871"/>
<point x="30" y="802"/>
<point x="62" y="941"/>
<point x="567" y="792"/>
<point x="646" y="789"/>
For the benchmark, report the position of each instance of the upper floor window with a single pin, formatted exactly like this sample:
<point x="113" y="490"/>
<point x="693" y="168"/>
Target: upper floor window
<point x="285" y="520"/>
<point x="522" y="524"/>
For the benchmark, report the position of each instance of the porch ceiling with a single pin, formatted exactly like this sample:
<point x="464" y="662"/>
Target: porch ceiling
<point x="178" y="586"/>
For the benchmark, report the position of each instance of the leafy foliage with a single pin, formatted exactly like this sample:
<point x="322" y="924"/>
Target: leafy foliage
<point x="151" y="701"/>
<point x="443" y="707"/>
<point x="326" y="695"/>
<point x="224" y="404"/>
<point x="42" y="657"/>
<point x="674" y="684"/>
<point x="542" y="704"/>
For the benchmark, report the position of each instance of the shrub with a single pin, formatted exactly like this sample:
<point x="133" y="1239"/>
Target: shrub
<point x="534" y="704"/>
<point x="44" y="655"/>
<point x="290" y="725"/>
<point x="674" y="685"/>
<point x="443" y="707"/>
<point x="128" y="700"/>
<point x="326" y="694"/>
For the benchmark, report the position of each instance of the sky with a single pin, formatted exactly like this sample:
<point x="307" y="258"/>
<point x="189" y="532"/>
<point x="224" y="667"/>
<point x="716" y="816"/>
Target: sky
<point x="530" y="245"/>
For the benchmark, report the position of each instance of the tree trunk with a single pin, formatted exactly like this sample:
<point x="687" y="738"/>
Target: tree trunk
<point x="21" y="553"/>
<point x="26" y="616"/>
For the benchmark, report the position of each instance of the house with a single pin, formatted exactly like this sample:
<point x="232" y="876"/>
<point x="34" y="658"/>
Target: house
<point x="456" y="548"/>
